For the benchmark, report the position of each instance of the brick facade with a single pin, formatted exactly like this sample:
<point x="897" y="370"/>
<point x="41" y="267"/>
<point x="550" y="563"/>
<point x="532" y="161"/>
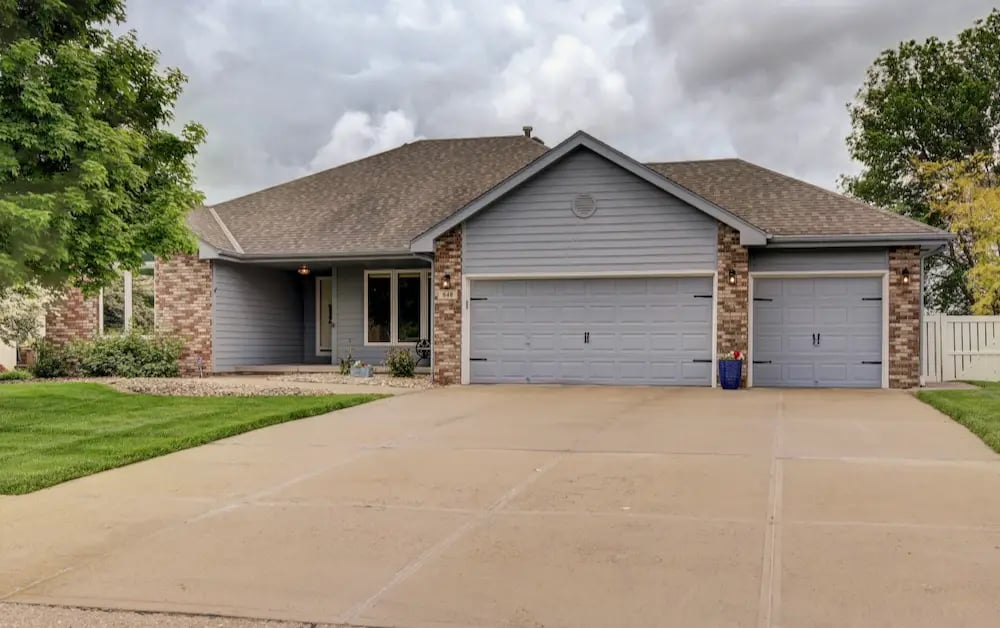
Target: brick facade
<point x="904" y="318"/>
<point x="732" y="306"/>
<point x="183" y="307"/>
<point x="448" y="312"/>
<point x="72" y="317"/>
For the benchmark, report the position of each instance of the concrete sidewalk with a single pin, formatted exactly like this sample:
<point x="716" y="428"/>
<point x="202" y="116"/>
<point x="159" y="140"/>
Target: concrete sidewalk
<point x="536" y="506"/>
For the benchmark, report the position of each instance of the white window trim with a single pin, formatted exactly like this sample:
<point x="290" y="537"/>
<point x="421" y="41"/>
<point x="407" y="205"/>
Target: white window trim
<point x="393" y="275"/>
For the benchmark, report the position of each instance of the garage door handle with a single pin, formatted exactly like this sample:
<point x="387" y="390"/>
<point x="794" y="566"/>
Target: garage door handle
<point x="702" y="361"/>
<point x="871" y="361"/>
<point x="761" y="361"/>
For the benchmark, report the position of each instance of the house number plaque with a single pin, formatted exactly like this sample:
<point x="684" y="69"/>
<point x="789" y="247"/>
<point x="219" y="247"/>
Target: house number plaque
<point x="447" y="295"/>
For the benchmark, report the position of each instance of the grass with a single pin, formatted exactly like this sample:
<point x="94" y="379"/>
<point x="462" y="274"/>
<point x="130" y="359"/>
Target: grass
<point x="978" y="410"/>
<point x="53" y="432"/>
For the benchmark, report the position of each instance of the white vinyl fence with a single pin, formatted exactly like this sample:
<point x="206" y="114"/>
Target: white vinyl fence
<point x="960" y="348"/>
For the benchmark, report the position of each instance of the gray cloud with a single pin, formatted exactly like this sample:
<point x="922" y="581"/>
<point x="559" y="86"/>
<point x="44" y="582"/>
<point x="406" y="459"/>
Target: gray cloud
<point x="286" y="87"/>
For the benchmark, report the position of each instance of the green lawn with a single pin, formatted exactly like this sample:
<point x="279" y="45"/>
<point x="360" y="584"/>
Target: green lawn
<point x="53" y="432"/>
<point x="978" y="410"/>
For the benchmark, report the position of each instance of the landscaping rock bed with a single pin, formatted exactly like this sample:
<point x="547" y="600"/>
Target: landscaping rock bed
<point x="417" y="381"/>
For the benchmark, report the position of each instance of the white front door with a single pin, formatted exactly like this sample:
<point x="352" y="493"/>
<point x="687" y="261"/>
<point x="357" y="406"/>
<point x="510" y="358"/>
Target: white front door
<point x="326" y="319"/>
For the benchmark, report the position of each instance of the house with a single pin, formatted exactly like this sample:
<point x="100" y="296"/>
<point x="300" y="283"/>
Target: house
<point x="577" y="264"/>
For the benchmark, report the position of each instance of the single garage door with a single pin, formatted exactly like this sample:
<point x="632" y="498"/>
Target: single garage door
<point x="821" y="332"/>
<point x="598" y="331"/>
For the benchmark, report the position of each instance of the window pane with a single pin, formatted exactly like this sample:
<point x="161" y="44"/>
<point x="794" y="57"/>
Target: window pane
<point x="379" y="296"/>
<point x="408" y="308"/>
<point x="114" y="306"/>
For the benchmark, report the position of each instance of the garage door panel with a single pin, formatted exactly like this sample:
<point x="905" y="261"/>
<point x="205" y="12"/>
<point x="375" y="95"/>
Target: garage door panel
<point x="845" y="312"/>
<point x="642" y="331"/>
<point x="798" y="315"/>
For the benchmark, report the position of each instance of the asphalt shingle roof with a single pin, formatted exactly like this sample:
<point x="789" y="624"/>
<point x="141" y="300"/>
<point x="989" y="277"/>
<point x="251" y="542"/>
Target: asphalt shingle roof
<point x="380" y="203"/>
<point x="781" y="205"/>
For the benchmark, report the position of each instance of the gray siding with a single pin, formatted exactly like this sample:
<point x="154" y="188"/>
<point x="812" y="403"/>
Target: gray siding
<point x="256" y="316"/>
<point x="636" y="227"/>
<point x="794" y="260"/>
<point x="350" y="316"/>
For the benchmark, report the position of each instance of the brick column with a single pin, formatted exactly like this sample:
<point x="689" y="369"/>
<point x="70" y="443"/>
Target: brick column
<point x="904" y="318"/>
<point x="183" y="308"/>
<point x="71" y="317"/>
<point x="731" y="306"/>
<point x="448" y="312"/>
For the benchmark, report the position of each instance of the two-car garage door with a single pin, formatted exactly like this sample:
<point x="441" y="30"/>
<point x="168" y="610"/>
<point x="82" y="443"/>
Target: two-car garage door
<point x="655" y="330"/>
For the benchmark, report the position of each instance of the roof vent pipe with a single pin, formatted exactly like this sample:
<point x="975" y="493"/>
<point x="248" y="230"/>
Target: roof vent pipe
<point x="527" y="130"/>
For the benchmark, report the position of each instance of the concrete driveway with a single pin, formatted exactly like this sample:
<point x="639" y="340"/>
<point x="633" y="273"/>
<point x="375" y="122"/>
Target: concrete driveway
<point x="539" y="506"/>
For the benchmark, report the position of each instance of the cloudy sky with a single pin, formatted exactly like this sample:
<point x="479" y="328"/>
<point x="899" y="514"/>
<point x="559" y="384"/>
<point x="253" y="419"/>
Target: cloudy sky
<point x="288" y="87"/>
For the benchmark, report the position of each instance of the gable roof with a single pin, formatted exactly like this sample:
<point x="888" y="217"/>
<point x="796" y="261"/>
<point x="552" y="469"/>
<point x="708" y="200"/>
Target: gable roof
<point x="373" y="205"/>
<point x="395" y="202"/>
<point x="749" y="233"/>
<point x="784" y="206"/>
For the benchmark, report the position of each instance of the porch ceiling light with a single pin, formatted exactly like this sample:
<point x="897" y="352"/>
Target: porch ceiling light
<point x="303" y="270"/>
<point x="732" y="277"/>
<point x="905" y="275"/>
<point x="446" y="282"/>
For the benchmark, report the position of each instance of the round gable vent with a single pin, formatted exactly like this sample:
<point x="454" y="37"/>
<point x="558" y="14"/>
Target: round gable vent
<point x="584" y="206"/>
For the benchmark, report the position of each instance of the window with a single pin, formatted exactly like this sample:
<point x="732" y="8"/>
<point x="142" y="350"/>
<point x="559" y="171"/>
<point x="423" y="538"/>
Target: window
<point x="396" y="306"/>
<point x="128" y="303"/>
<point x="379" y="308"/>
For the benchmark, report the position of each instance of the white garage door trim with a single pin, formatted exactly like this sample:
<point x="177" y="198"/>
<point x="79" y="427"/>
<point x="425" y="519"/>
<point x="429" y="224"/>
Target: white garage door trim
<point x="883" y="274"/>
<point x="467" y="311"/>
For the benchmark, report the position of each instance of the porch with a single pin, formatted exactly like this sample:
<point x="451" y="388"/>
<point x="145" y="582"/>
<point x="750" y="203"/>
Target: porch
<point x="307" y="316"/>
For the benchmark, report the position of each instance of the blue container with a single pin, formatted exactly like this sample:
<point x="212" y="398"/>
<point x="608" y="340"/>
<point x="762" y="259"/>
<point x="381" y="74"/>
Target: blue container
<point x="730" y="374"/>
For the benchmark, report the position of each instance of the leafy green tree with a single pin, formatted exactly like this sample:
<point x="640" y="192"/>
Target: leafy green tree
<point x="91" y="175"/>
<point x="932" y="101"/>
<point x="967" y="194"/>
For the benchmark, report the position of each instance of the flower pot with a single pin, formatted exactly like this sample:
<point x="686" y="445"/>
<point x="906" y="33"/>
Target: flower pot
<point x="730" y="374"/>
<point x="361" y="371"/>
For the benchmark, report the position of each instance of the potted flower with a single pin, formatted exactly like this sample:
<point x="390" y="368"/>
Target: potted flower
<point x="731" y="369"/>
<point x="361" y="369"/>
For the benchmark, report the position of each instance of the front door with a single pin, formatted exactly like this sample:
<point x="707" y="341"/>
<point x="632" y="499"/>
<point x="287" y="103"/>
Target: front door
<point x="326" y="320"/>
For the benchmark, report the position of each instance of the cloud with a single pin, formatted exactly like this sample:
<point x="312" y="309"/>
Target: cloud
<point x="357" y="135"/>
<point x="286" y="87"/>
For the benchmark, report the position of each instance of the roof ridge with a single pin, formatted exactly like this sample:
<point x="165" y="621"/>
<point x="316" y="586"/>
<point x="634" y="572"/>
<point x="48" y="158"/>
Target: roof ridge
<point x="692" y="161"/>
<point x="367" y="157"/>
<point x="225" y="230"/>
<point x="314" y="174"/>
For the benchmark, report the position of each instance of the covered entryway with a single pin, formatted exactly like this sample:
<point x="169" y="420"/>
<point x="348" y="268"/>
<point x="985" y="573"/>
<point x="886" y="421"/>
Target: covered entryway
<point x="655" y="330"/>
<point x="818" y="332"/>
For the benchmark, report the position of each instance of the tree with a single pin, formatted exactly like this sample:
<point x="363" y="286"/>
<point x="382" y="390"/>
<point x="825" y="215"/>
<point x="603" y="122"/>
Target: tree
<point x="935" y="101"/>
<point x="967" y="194"/>
<point x="22" y="313"/>
<point x="91" y="176"/>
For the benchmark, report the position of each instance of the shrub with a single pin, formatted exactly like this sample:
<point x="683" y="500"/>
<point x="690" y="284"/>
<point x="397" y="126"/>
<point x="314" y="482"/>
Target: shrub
<point x="127" y="355"/>
<point x="56" y="360"/>
<point x="14" y="375"/>
<point x="131" y="355"/>
<point x="400" y="362"/>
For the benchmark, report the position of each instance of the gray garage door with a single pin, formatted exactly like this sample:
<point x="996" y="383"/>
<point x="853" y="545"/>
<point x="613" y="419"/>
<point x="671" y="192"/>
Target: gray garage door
<point x="599" y="331"/>
<point x="817" y="332"/>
